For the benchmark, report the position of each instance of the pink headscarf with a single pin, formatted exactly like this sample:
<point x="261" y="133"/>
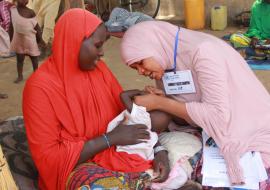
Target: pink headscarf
<point x="149" y="39"/>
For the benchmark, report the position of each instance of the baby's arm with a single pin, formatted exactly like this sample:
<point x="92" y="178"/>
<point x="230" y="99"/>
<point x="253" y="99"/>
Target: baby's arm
<point x="127" y="97"/>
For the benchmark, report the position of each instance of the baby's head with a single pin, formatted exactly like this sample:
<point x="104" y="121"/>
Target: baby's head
<point x="159" y="121"/>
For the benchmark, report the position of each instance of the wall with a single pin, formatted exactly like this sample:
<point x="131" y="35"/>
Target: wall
<point x="176" y="7"/>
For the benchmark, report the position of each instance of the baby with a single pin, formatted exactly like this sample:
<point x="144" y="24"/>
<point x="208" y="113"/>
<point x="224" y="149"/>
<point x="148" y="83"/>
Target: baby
<point x="157" y="122"/>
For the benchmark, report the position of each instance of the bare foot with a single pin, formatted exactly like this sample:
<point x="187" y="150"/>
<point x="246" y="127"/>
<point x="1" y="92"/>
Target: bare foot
<point x="3" y="96"/>
<point x="19" y="79"/>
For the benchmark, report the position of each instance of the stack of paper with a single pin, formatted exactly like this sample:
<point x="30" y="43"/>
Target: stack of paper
<point x="214" y="168"/>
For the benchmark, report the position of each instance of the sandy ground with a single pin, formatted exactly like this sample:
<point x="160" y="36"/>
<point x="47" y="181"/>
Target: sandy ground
<point x="127" y="77"/>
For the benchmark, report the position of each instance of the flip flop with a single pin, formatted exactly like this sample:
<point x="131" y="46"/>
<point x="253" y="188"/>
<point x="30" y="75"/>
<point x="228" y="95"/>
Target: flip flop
<point x="3" y="96"/>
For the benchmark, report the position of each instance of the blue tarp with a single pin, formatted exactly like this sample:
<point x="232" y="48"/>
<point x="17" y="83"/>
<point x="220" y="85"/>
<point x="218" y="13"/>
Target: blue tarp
<point x="259" y="64"/>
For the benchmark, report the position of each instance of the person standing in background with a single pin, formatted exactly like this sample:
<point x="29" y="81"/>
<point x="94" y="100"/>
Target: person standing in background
<point x="26" y="36"/>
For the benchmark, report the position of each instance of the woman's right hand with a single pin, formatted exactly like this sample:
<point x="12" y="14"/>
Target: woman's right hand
<point x="128" y="134"/>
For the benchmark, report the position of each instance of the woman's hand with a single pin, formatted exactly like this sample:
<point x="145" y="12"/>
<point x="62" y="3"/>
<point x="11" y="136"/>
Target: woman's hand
<point x="149" y="101"/>
<point x="128" y="134"/>
<point x="154" y="90"/>
<point x="161" y="167"/>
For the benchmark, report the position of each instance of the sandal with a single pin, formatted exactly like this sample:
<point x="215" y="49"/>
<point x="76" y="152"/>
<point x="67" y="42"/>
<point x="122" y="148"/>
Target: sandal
<point x="3" y="96"/>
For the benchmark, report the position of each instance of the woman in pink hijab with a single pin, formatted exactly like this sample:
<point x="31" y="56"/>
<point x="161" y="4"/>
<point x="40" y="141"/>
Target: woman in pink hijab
<point x="207" y="83"/>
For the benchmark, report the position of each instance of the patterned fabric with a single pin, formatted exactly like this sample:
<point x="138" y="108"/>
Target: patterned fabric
<point x="4" y="43"/>
<point x="5" y="14"/>
<point x="240" y="40"/>
<point x="91" y="176"/>
<point x="242" y="44"/>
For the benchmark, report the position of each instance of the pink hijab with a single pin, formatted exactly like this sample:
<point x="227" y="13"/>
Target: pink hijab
<point x="149" y="39"/>
<point x="156" y="39"/>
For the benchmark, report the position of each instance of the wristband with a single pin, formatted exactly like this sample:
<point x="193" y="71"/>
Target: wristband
<point x="107" y="140"/>
<point x="159" y="148"/>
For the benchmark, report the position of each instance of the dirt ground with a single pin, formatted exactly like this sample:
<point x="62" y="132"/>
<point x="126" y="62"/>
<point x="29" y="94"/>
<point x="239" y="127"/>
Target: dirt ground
<point x="127" y="77"/>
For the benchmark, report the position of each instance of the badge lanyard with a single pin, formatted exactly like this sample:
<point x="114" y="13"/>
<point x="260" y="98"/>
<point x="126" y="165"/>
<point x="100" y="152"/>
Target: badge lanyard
<point x="175" y="52"/>
<point x="178" y="82"/>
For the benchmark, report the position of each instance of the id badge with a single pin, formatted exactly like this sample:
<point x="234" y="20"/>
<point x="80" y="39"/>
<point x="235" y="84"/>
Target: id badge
<point x="179" y="82"/>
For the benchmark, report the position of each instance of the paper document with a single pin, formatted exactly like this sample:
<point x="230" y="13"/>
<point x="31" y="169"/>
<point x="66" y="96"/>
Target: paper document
<point x="215" y="172"/>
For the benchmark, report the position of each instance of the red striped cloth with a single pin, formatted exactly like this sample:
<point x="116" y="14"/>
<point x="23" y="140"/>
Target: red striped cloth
<point x="5" y="14"/>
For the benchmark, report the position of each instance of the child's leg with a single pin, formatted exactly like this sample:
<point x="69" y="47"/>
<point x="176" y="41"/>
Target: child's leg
<point x="34" y="60"/>
<point x="20" y="60"/>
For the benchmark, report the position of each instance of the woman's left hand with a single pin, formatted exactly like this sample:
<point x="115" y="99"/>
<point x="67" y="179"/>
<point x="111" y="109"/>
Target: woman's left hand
<point x="149" y="101"/>
<point x="161" y="167"/>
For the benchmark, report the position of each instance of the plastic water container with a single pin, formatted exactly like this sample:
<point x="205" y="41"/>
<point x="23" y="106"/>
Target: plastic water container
<point x="194" y="14"/>
<point x="219" y="17"/>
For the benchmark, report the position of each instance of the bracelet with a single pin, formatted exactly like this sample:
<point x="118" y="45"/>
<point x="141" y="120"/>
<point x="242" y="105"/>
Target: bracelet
<point x="107" y="140"/>
<point x="159" y="148"/>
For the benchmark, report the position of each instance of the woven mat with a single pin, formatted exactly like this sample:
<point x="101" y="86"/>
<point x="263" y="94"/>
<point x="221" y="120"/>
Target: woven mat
<point x="15" y="148"/>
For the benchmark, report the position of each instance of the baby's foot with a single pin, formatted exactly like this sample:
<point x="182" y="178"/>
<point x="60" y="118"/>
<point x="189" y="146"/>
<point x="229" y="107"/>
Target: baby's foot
<point x="19" y="79"/>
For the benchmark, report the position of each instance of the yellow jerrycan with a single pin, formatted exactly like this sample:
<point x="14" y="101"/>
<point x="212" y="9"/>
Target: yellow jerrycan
<point x="219" y="17"/>
<point x="194" y="14"/>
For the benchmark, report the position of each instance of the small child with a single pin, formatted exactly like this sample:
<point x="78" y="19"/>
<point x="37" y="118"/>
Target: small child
<point x="26" y="36"/>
